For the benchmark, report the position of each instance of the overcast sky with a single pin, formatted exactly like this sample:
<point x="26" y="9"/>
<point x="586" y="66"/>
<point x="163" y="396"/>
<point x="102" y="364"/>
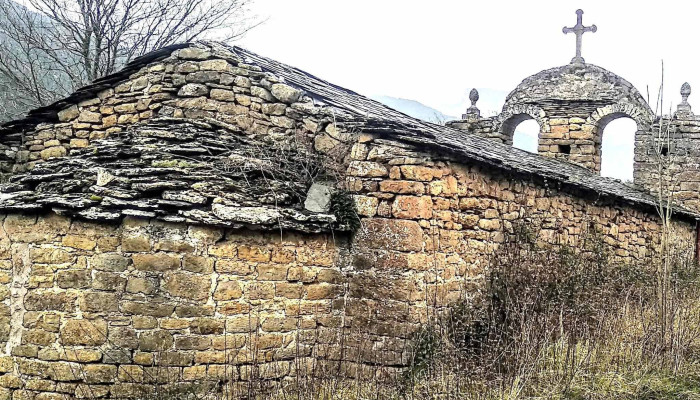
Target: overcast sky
<point x="436" y="51"/>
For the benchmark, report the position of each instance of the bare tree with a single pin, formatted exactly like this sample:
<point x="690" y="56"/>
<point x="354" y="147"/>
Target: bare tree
<point x="49" y="48"/>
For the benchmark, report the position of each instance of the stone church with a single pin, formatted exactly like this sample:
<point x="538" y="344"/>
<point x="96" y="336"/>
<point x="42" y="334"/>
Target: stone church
<point x="210" y="215"/>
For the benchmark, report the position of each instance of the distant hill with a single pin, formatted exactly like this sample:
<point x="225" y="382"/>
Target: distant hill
<point x="414" y="109"/>
<point x="525" y="135"/>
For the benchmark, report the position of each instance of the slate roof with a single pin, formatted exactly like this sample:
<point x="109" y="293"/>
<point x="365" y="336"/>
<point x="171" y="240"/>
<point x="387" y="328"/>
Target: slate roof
<point x="177" y="170"/>
<point x="372" y="116"/>
<point x="44" y="187"/>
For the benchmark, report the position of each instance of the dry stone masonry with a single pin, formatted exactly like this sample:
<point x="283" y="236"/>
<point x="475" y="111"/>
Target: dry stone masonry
<point x="180" y="224"/>
<point x="572" y="105"/>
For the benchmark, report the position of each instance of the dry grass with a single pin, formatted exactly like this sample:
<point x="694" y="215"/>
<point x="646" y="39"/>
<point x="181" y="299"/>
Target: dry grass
<point x="585" y="327"/>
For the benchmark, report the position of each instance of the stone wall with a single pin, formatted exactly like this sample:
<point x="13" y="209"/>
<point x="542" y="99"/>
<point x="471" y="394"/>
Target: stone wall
<point x="112" y="309"/>
<point x="194" y="83"/>
<point x="431" y="223"/>
<point x="93" y="310"/>
<point x="679" y="149"/>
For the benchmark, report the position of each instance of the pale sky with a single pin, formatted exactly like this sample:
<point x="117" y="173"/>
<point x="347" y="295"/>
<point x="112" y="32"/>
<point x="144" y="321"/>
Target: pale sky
<point x="435" y="51"/>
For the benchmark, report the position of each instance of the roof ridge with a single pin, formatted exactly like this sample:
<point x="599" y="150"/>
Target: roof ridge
<point x="373" y="116"/>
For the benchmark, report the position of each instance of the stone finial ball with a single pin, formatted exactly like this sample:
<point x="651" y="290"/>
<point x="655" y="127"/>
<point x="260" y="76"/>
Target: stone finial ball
<point x="474" y="96"/>
<point x="685" y="89"/>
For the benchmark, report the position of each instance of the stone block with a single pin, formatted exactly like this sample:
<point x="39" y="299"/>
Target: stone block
<point x="42" y="300"/>
<point x="174" y="323"/>
<point x="112" y="262"/>
<point x="380" y="233"/>
<point x="215" y="65"/>
<point x="233" y="307"/>
<point x="159" y="340"/>
<point x="25" y="350"/>
<point x="68" y="114"/>
<point x="322" y="291"/>
<point x="274" y="108"/>
<point x="402" y="187"/>
<point x="175" y="358"/>
<point x="260" y="290"/>
<point x="147" y="309"/>
<point x="131" y="391"/>
<point x="207" y="326"/>
<point x="412" y="207"/>
<point x="559" y="131"/>
<point x="203" y="77"/>
<point x="78" y="242"/>
<point x="79" y="143"/>
<point x="272" y="272"/>
<point x="191" y="311"/>
<point x="192" y="342"/>
<point x="187" y="285"/>
<point x="90" y="117"/>
<point x="157" y="262"/>
<point x="108" y="281"/>
<point x="141" y="285"/>
<point x="211" y="357"/>
<point x="123" y="337"/>
<point x="99" y="373"/>
<point x="302" y="274"/>
<point x="254" y="253"/>
<point x="318" y="198"/>
<point x="50" y="255"/>
<point x="420" y="173"/>
<point x="144" y="322"/>
<point x="99" y="302"/>
<point x="261" y="93"/>
<point x="282" y="255"/>
<point x="324" y="257"/>
<point x="136" y="242"/>
<point x="241" y="324"/>
<point x="6" y="364"/>
<point x="289" y="290"/>
<point x="490" y="224"/>
<point x="222" y="95"/>
<point x="187" y="67"/>
<point x="286" y="93"/>
<point x="126" y="108"/>
<point x="74" y="279"/>
<point x="174" y="244"/>
<point x="195" y="373"/>
<point x="77" y="332"/>
<point x="367" y="169"/>
<point x="81" y="355"/>
<point x="224" y="249"/>
<point x="130" y="373"/>
<point x="38" y="337"/>
<point x="228" y="290"/>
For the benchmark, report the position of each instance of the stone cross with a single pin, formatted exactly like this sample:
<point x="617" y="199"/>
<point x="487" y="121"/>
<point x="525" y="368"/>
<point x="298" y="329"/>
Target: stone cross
<point x="579" y="30"/>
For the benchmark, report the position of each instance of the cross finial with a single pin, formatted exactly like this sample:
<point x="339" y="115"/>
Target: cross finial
<point x="579" y="30"/>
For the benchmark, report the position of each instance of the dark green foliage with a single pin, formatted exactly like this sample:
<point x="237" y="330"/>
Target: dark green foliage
<point x="426" y="346"/>
<point x="343" y="207"/>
